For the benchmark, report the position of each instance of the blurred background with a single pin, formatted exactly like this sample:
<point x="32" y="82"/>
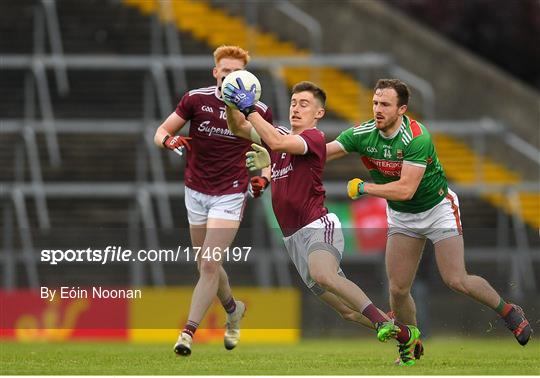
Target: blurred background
<point x="84" y="84"/>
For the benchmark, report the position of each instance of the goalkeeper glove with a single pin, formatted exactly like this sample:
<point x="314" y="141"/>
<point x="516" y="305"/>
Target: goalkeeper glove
<point x="258" y="159"/>
<point x="355" y="188"/>
<point x="257" y="185"/>
<point x="176" y="143"/>
<point x="241" y="97"/>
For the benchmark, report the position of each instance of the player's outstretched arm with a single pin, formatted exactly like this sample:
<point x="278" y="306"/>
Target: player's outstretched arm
<point x="244" y="100"/>
<point x="277" y="142"/>
<point x="334" y="150"/>
<point x="400" y="190"/>
<point x="239" y="126"/>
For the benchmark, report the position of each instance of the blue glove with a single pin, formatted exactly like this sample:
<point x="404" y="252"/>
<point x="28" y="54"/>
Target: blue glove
<point x="242" y="98"/>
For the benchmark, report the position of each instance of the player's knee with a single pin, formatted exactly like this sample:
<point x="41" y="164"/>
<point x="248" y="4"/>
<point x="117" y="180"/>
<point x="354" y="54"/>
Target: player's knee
<point x="209" y="268"/>
<point x="323" y="279"/>
<point x="456" y="283"/>
<point x="399" y="292"/>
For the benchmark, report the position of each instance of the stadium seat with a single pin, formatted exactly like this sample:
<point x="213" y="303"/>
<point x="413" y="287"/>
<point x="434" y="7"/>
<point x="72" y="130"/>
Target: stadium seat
<point x="347" y="97"/>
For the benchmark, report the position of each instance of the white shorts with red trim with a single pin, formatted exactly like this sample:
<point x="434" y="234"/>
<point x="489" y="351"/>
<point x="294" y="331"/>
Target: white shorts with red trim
<point x="323" y="234"/>
<point x="202" y="206"/>
<point x="438" y="223"/>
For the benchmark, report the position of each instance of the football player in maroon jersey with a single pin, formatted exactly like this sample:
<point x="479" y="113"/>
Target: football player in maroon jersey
<point x="216" y="184"/>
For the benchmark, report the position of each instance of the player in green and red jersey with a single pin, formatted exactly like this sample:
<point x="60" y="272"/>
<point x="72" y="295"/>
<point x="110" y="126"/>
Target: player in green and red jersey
<point x="400" y="155"/>
<point x="384" y="157"/>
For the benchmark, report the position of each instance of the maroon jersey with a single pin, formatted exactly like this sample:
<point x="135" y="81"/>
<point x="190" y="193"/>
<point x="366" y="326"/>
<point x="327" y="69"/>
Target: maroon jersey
<point x="297" y="190"/>
<point x="216" y="163"/>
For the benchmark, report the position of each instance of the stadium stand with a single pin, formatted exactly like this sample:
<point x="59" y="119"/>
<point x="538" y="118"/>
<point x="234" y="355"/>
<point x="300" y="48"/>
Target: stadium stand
<point x="347" y="97"/>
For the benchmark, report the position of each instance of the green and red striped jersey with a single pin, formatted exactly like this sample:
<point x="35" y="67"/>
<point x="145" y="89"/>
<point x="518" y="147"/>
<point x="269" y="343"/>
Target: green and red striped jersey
<point x="384" y="157"/>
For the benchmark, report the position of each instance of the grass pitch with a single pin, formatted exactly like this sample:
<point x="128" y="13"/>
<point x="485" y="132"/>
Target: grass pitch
<point x="450" y="356"/>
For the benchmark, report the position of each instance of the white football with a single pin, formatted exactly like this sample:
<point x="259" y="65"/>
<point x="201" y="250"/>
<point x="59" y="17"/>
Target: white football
<point x="248" y="79"/>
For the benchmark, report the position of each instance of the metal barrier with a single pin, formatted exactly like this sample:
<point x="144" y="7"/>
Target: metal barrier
<point x="313" y="26"/>
<point x="271" y="64"/>
<point x="172" y="46"/>
<point x="55" y="41"/>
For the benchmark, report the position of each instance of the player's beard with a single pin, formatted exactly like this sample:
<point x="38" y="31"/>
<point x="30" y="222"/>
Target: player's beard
<point x="388" y="123"/>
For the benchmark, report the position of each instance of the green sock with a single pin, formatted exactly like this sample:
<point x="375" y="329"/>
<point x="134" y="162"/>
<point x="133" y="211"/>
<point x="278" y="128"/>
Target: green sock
<point x="501" y="306"/>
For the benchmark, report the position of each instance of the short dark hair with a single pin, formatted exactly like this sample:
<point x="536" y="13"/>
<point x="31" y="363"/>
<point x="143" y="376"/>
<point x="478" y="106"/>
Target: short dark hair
<point x="308" y="86"/>
<point x="402" y="90"/>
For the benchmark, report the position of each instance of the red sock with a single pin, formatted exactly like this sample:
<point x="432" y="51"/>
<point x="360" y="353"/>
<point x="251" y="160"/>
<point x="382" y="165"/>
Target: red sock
<point x="404" y="334"/>
<point x="506" y="310"/>
<point x="229" y="305"/>
<point x="503" y="308"/>
<point x="190" y="328"/>
<point x="372" y="313"/>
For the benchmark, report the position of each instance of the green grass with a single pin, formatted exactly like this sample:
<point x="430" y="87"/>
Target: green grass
<point x="313" y="357"/>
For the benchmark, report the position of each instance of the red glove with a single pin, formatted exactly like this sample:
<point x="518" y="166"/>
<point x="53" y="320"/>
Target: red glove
<point x="176" y="142"/>
<point x="257" y="185"/>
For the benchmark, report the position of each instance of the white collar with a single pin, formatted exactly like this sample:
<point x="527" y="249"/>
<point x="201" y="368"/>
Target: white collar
<point x="395" y="132"/>
<point x="391" y="136"/>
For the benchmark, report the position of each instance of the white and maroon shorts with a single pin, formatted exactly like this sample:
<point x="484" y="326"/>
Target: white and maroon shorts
<point x="440" y="222"/>
<point x="202" y="206"/>
<point x="321" y="234"/>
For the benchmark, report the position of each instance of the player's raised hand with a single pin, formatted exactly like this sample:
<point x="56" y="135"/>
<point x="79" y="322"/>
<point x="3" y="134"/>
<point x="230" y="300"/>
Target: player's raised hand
<point x="241" y="97"/>
<point x="258" y="159"/>
<point x="177" y="143"/>
<point x="257" y="185"/>
<point x="355" y="188"/>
